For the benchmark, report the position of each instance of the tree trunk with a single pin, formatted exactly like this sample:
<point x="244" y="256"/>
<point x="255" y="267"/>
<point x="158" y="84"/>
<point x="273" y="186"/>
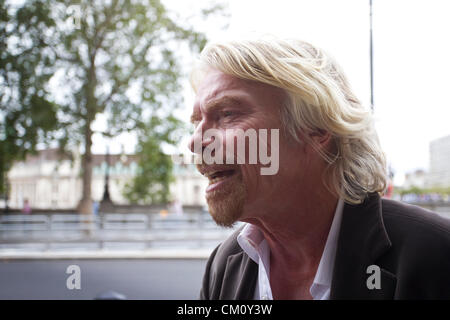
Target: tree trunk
<point x="85" y="205"/>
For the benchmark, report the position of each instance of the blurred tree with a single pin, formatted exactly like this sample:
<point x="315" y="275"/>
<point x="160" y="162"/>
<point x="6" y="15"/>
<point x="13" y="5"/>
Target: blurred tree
<point x="119" y="58"/>
<point x="27" y="114"/>
<point x="423" y="191"/>
<point x="151" y="184"/>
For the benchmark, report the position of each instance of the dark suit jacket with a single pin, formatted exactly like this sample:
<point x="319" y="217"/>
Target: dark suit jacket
<point x="409" y="244"/>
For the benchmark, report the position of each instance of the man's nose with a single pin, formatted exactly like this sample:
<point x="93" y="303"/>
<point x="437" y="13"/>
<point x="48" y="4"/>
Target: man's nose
<point x="197" y="142"/>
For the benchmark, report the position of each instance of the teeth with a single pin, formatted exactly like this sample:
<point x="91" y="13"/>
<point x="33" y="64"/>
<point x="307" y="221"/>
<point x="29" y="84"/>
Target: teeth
<point x="214" y="180"/>
<point x="210" y="175"/>
<point x="215" y="177"/>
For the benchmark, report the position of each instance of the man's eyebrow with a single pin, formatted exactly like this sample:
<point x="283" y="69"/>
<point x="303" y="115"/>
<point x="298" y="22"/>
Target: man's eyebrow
<point x="219" y="103"/>
<point x="222" y="102"/>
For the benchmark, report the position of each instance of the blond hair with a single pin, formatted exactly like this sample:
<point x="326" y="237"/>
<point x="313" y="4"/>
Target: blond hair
<point x="319" y="99"/>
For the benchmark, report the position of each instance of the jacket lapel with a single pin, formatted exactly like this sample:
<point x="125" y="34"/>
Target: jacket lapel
<point x="362" y="240"/>
<point x="239" y="281"/>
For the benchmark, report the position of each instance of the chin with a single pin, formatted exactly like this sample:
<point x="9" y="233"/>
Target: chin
<point x="226" y="208"/>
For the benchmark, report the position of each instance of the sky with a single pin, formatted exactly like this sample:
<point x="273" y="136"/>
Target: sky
<point x="411" y="61"/>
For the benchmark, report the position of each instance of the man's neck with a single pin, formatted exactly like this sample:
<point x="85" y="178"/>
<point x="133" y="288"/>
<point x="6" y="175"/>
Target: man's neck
<point x="297" y="235"/>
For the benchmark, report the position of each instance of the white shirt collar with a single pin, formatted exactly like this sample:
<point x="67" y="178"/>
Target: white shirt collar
<point x="320" y="289"/>
<point x="252" y="241"/>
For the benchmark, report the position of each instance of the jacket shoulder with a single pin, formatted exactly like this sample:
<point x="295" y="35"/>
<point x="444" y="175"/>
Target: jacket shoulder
<point x="419" y="254"/>
<point x="411" y="222"/>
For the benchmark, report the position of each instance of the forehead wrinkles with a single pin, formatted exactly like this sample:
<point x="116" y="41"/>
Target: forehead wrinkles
<point x="218" y="85"/>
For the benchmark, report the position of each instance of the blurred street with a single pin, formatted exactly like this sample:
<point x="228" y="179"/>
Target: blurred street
<point x="140" y="256"/>
<point x="134" y="278"/>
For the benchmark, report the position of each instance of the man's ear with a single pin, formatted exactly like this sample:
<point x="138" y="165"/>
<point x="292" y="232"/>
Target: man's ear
<point x="321" y="138"/>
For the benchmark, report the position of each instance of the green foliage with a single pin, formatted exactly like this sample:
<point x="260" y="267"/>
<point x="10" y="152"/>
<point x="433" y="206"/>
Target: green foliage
<point x="121" y="61"/>
<point x="151" y="184"/>
<point x="422" y="191"/>
<point x="27" y="114"/>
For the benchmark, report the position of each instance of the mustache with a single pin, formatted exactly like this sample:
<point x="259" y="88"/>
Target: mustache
<point x="226" y="158"/>
<point x="203" y="168"/>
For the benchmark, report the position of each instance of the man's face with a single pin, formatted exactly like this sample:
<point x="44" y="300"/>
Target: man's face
<point x="229" y="104"/>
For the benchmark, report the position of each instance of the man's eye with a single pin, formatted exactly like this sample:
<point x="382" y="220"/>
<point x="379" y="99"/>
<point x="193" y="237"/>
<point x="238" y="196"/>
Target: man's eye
<point x="228" y="113"/>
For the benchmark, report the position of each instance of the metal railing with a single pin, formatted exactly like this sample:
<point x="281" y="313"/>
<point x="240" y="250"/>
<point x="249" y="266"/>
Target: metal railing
<point x="151" y="230"/>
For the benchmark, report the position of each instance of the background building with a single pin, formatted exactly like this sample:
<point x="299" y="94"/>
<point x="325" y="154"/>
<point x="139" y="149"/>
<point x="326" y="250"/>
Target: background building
<point x="439" y="174"/>
<point x="189" y="186"/>
<point x="51" y="180"/>
<point x="415" y="179"/>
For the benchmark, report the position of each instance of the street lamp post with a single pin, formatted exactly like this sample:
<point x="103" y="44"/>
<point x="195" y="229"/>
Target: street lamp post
<point x="106" y="196"/>
<point x="106" y="205"/>
<point x="371" y="57"/>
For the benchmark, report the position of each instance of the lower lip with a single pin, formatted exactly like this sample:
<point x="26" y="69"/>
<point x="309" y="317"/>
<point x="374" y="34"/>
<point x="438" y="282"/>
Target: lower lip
<point x="219" y="184"/>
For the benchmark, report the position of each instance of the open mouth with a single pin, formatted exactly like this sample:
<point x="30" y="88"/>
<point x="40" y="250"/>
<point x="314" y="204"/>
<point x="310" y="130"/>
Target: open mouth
<point x="218" y="177"/>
